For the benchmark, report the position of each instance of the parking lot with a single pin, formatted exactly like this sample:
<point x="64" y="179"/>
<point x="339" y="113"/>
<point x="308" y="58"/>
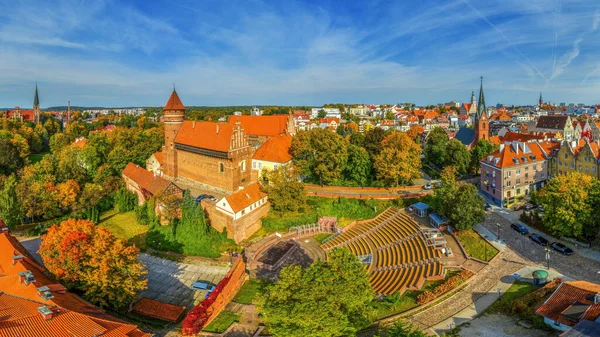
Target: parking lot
<point x="574" y="266"/>
<point x="170" y="281"/>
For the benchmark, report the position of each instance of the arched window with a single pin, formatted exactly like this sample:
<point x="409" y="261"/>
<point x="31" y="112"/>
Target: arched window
<point x="221" y="168"/>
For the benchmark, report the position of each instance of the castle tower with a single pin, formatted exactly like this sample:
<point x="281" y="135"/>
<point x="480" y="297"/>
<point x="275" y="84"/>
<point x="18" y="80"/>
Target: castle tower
<point x="173" y="116"/>
<point x="36" y="106"/>
<point x="473" y="102"/>
<point x="482" y="121"/>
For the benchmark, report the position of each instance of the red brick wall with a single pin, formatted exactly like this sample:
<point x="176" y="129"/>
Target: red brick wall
<point x="205" y="169"/>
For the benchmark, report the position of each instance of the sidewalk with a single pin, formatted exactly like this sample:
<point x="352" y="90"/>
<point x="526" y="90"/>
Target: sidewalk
<point x="485" y="301"/>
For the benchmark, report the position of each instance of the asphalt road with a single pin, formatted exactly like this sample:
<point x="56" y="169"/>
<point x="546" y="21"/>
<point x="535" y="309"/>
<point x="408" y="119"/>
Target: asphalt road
<point x="574" y="266"/>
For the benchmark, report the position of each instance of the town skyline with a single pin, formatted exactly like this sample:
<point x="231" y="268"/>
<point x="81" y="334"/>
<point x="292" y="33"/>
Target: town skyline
<point x="127" y="54"/>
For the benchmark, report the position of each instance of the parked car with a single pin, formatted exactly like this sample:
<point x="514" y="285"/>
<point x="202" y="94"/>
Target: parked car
<point x="201" y="197"/>
<point x="213" y="198"/>
<point x="488" y="207"/>
<point x="559" y="247"/>
<point x="538" y="239"/>
<point x="519" y="228"/>
<point x="541" y="208"/>
<point x="529" y="206"/>
<point x="428" y="186"/>
<point x="204" y="285"/>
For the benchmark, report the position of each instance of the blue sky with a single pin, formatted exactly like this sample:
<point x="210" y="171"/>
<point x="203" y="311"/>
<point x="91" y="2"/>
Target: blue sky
<point x="128" y="53"/>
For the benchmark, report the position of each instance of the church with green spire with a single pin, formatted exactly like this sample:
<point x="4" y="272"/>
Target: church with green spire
<point x="470" y="136"/>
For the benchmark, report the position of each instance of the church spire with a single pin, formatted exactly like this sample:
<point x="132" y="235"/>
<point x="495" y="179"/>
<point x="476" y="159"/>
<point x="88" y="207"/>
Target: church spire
<point x="541" y="100"/>
<point x="481" y="108"/>
<point x="36" y="99"/>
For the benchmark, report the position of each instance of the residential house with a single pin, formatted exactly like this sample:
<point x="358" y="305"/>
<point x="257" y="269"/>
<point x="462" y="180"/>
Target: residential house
<point x="572" y="303"/>
<point x="555" y="124"/>
<point x="359" y="111"/>
<point x="330" y="123"/>
<point x="580" y="155"/>
<point x="302" y="122"/>
<point x="33" y="304"/>
<point x="515" y="169"/>
<point x="239" y="213"/>
<point x="274" y="153"/>
<point x="386" y="124"/>
<point x="154" y="163"/>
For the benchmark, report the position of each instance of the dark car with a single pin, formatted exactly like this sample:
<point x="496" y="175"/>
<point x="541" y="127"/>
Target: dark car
<point x="519" y="228"/>
<point x="204" y="285"/>
<point x="538" y="239"/>
<point x="559" y="247"/>
<point x="529" y="207"/>
<point x="488" y="207"/>
<point x="201" y="197"/>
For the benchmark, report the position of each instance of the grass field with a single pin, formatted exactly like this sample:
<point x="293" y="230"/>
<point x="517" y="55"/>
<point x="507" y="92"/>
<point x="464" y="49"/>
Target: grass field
<point x="36" y="157"/>
<point x="125" y="226"/>
<point x="249" y="290"/>
<point x="476" y="246"/>
<point x="222" y="322"/>
<point x="518" y="289"/>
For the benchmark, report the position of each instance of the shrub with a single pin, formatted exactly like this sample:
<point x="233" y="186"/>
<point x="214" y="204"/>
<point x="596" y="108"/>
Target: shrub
<point x="449" y="284"/>
<point x="125" y="200"/>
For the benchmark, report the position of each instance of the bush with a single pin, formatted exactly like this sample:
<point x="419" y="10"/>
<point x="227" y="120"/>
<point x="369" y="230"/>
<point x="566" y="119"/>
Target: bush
<point x="125" y="200"/>
<point x="449" y="284"/>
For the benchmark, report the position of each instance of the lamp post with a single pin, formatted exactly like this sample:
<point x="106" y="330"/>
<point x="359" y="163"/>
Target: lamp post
<point x="547" y="258"/>
<point x="500" y="294"/>
<point x="498" y="236"/>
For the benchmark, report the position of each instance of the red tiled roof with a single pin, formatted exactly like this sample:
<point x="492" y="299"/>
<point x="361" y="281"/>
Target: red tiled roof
<point x="205" y="135"/>
<point x="508" y="156"/>
<point x="71" y="316"/>
<point x="146" y="179"/>
<point x="275" y="149"/>
<point x="80" y="142"/>
<point x="174" y="103"/>
<point x="159" y="157"/>
<point x="262" y="125"/>
<point x="567" y="294"/>
<point x="246" y="197"/>
<point x="330" y="120"/>
<point x="160" y="310"/>
<point x="26" y="114"/>
<point x="467" y="106"/>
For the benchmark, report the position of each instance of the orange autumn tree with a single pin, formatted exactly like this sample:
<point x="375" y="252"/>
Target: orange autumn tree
<point x="91" y="260"/>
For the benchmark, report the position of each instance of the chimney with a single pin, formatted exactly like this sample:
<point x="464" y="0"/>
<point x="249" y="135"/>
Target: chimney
<point x="217" y="128"/>
<point x="44" y="293"/>
<point x="45" y="312"/>
<point x="4" y="230"/>
<point x="193" y="124"/>
<point x="26" y="277"/>
<point x="16" y="258"/>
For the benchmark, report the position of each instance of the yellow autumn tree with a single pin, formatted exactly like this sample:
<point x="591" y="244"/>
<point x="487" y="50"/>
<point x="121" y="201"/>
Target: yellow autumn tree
<point x="399" y="160"/>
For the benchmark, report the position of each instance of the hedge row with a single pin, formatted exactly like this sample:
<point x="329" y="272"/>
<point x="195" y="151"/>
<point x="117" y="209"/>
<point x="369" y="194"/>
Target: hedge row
<point x="449" y="284"/>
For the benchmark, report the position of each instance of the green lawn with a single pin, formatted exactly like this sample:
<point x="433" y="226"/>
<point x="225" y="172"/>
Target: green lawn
<point x="476" y="246"/>
<point x="36" y="157"/>
<point x="249" y="290"/>
<point x="518" y="289"/>
<point x="321" y="237"/>
<point x="222" y="322"/>
<point x="125" y="226"/>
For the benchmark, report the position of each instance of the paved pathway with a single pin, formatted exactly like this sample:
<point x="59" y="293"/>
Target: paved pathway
<point x="486" y="280"/>
<point x="170" y="281"/>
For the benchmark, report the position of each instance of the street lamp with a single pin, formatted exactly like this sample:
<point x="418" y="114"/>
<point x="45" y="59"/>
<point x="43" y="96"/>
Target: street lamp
<point x="498" y="236"/>
<point x="548" y="257"/>
<point x="499" y="293"/>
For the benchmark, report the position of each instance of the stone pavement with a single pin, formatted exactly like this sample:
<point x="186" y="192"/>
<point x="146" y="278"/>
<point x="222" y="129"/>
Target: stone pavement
<point x="482" y="303"/>
<point x="170" y="281"/>
<point x="484" y="281"/>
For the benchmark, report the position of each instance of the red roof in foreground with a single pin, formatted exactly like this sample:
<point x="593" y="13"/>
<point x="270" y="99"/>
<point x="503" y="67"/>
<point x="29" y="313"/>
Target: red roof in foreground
<point x="205" y="135"/>
<point x="174" y="103"/>
<point x="246" y="197"/>
<point x="275" y="149"/>
<point x="160" y="310"/>
<point x="146" y="179"/>
<point x="572" y="299"/>
<point x="71" y="315"/>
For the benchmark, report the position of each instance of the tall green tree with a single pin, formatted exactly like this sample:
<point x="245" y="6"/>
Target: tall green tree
<point x="359" y="166"/>
<point x="443" y="195"/>
<point x="373" y="139"/>
<point x="467" y="207"/>
<point x="286" y="192"/>
<point x="458" y="156"/>
<point x="435" y="148"/>
<point x="482" y="149"/>
<point x="320" y="154"/>
<point x="11" y="211"/>
<point x="567" y="206"/>
<point x="328" y="299"/>
<point x="10" y="159"/>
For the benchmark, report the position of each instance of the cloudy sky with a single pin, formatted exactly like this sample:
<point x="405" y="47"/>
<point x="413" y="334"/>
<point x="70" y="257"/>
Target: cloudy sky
<point x="129" y="53"/>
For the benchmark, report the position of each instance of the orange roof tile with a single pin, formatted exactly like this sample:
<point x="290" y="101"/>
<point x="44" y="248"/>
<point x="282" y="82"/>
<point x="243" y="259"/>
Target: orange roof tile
<point x="246" y="197"/>
<point x="160" y="310"/>
<point x="174" y="103"/>
<point x="205" y="135"/>
<point x="146" y="179"/>
<point x="71" y="315"/>
<point x="567" y="294"/>
<point x="275" y="149"/>
<point x="262" y="125"/>
<point x="159" y="157"/>
<point x="509" y="156"/>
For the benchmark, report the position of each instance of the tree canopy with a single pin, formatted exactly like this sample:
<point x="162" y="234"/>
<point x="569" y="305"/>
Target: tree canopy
<point x="320" y="153"/>
<point x="327" y="299"/>
<point x="399" y="160"/>
<point x="286" y="193"/>
<point x="435" y="148"/>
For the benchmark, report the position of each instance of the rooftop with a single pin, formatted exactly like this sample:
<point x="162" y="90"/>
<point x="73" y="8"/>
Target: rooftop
<point x="246" y="197"/>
